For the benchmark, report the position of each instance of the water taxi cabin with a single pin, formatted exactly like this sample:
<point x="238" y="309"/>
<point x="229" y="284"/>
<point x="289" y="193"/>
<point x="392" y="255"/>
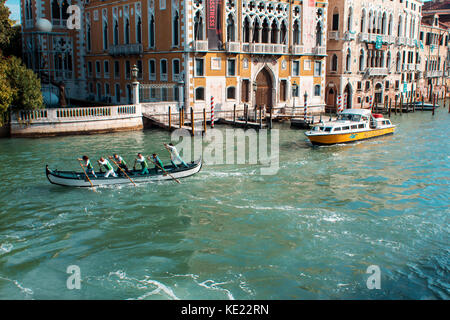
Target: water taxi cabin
<point x="351" y="125"/>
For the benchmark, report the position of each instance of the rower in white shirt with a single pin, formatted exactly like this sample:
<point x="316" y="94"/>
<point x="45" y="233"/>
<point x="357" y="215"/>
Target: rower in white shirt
<point x="174" y="156"/>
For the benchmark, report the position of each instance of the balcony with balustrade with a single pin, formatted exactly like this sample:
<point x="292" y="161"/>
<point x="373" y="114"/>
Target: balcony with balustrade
<point x="433" y="73"/>
<point x="264" y="48"/>
<point x="401" y="41"/>
<point x="333" y="35"/>
<point x="297" y="49"/>
<point x="349" y="36"/>
<point x="377" y="72"/>
<point x="126" y="49"/>
<point x="200" y="45"/>
<point x="232" y="47"/>
<point x="320" y="50"/>
<point x="364" y="37"/>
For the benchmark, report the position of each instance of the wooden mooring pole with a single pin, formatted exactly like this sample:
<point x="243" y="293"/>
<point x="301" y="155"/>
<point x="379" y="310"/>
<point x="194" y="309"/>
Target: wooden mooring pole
<point x="401" y="104"/>
<point x="192" y="121"/>
<point x="395" y="105"/>
<point x="234" y="115"/>
<point x="434" y="103"/>
<point x="270" y="118"/>
<point x="204" y="121"/>
<point x="170" y="119"/>
<point x="389" y="107"/>
<point x="260" y="117"/>
<point x="246" y="115"/>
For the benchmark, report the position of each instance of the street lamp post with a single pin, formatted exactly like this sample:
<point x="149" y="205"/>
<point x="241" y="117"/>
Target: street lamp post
<point x="135" y="83"/>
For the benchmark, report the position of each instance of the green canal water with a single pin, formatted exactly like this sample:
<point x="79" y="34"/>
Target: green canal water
<point x="308" y="232"/>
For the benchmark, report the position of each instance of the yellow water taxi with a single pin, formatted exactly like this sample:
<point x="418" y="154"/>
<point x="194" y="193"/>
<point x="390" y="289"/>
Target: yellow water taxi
<point x="351" y="125"/>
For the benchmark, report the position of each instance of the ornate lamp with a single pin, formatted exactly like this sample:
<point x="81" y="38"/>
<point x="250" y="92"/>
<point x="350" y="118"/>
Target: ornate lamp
<point x="134" y="72"/>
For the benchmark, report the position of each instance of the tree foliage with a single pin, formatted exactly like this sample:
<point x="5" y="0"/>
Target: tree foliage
<point x="20" y="88"/>
<point x="5" y="24"/>
<point x="26" y="86"/>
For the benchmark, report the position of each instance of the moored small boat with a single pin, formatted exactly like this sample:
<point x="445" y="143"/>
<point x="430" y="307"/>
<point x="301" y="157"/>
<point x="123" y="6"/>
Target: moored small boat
<point x="351" y="125"/>
<point x="78" y="179"/>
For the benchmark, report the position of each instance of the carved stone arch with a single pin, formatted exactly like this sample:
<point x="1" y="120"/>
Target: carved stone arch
<point x="265" y="95"/>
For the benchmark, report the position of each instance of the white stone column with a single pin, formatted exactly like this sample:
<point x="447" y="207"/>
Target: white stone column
<point x="135" y="93"/>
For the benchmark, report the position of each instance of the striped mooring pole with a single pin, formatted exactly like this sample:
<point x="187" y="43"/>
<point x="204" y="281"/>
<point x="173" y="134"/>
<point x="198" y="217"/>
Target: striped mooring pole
<point x="212" y="112"/>
<point x="306" y="111"/>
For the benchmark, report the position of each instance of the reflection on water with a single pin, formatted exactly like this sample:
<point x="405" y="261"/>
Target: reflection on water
<point x="309" y="232"/>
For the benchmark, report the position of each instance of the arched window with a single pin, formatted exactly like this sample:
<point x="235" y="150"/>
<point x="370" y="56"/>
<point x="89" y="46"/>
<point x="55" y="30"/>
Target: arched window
<point x="56" y="11"/>
<point x="139" y="30"/>
<point x="175" y="29"/>
<point x="335" y="21"/>
<point x="230" y="28"/>
<point x="384" y="24"/>
<point x="317" y="90"/>
<point x="350" y="19"/>
<point x="388" y="61"/>
<point x="105" y="35"/>
<point x="198" y="26"/>
<point x="127" y="31"/>
<point x="116" y="32"/>
<point x="369" y="22"/>
<point x="400" y="26"/>
<point x="374" y="23"/>
<point x="334" y="63"/>
<point x="88" y="37"/>
<point x="256" y="30"/>
<point x="283" y="33"/>
<point x="361" y="60"/>
<point x="274" y="32"/>
<point x="246" y="30"/>
<point x="399" y="60"/>
<point x="64" y="6"/>
<point x="265" y="31"/>
<point x="296" y="33"/>
<point x="151" y="34"/>
<point x="391" y="20"/>
<point x="318" y="34"/>
<point x="363" y="21"/>
<point x="348" y="61"/>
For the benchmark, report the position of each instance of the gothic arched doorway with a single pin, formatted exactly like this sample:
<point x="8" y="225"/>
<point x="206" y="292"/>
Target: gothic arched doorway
<point x="264" y="88"/>
<point x="378" y="93"/>
<point x="331" y="98"/>
<point x="348" y="93"/>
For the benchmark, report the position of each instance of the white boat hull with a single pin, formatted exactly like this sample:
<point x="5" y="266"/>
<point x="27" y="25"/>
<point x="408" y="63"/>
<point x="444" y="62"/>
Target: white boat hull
<point x="80" y="180"/>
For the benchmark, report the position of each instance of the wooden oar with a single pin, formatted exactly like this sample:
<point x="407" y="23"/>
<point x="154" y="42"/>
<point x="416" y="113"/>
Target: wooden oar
<point x="165" y="171"/>
<point x="92" y="185"/>
<point x="122" y="170"/>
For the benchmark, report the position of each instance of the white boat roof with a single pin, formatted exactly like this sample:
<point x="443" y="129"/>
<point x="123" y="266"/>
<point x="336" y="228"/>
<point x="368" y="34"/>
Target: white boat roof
<point x="363" y="112"/>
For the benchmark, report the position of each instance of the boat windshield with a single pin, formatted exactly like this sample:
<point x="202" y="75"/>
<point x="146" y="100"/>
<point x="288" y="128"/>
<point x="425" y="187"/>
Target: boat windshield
<point x="350" y="117"/>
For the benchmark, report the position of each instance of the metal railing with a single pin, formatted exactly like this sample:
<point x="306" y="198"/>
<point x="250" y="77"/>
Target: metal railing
<point x="126" y="49"/>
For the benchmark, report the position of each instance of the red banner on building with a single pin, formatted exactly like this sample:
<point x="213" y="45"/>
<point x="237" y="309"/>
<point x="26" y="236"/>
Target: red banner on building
<point x="214" y="24"/>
